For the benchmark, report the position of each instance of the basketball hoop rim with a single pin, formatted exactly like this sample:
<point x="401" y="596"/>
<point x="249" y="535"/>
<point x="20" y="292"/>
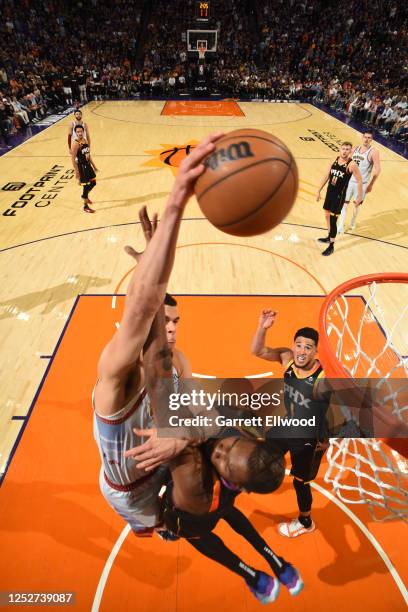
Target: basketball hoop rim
<point x="332" y="365"/>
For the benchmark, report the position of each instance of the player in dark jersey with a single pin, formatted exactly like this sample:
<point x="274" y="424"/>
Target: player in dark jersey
<point x="338" y="176"/>
<point x="197" y="498"/>
<point x="206" y="480"/>
<point x="84" y="166"/>
<point x="303" y="398"/>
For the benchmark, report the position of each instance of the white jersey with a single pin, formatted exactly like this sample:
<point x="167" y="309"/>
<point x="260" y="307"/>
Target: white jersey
<point x="364" y="164"/>
<point x="114" y="435"/>
<point x="74" y="134"/>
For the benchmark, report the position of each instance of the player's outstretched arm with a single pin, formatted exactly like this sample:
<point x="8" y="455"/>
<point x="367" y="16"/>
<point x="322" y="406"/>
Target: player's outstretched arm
<point x="148" y="284"/>
<point x="282" y="354"/>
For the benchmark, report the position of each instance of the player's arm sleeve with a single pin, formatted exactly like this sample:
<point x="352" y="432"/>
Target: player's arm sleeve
<point x="69" y="137"/>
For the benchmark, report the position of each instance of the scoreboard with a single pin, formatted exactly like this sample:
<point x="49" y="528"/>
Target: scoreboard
<point x="202" y="10"/>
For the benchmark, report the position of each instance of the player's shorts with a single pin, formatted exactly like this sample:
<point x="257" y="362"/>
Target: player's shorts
<point x="303" y="455"/>
<point x="352" y="191"/>
<point x="192" y="526"/>
<point x="141" y="507"/>
<point x="87" y="175"/>
<point x="333" y="205"/>
<point x="67" y="91"/>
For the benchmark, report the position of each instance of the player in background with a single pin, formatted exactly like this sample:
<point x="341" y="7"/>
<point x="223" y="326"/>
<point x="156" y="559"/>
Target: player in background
<point x="367" y="159"/>
<point x="84" y="166"/>
<point x="338" y="176"/>
<point x="78" y="121"/>
<point x="302" y="399"/>
<point x="120" y="400"/>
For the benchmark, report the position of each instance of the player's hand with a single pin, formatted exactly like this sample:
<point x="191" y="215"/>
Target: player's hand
<point x="369" y="188"/>
<point x="267" y="319"/>
<point x="358" y="201"/>
<point x="155" y="451"/>
<point x="148" y="226"/>
<point x="317" y="196"/>
<point x="190" y="169"/>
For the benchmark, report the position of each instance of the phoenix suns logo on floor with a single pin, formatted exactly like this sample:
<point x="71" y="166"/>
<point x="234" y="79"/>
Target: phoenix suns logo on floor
<point x="170" y="155"/>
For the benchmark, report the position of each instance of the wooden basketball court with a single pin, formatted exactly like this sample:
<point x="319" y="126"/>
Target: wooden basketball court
<point x="61" y="271"/>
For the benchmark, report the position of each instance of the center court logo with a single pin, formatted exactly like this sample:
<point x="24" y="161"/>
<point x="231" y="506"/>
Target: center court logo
<point x="15" y="186"/>
<point x="170" y="155"/>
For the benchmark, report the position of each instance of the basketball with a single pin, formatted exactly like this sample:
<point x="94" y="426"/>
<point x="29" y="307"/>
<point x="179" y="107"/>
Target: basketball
<point x="249" y="184"/>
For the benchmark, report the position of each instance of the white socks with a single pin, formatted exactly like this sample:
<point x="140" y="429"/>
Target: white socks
<point x="342" y="220"/>
<point x="354" y="217"/>
<point x="343" y="215"/>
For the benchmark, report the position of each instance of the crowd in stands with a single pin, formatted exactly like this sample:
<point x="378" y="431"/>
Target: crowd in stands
<point x="350" y="55"/>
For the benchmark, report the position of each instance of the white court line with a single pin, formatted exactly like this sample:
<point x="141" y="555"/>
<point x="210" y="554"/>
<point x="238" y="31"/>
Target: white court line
<point x="113" y="302"/>
<point x="195" y="375"/>
<point x="387" y="561"/>
<point x="107" y="568"/>
<point x="263" y="375"/>
<point x="346" y="510"/>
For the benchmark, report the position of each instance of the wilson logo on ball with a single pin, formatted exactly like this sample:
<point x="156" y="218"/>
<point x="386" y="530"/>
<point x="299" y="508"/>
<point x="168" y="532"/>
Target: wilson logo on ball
<point x="234" y="152"/>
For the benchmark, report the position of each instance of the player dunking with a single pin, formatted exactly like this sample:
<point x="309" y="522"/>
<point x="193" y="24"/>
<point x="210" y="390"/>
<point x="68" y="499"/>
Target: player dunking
<point x="303" y="399"/>
<point x="84" y="166"/>
<point x="78" y="121"/>
<point x="368" y="160"/>
<point x="338" y="175"/>
<point x="119" y="399"/>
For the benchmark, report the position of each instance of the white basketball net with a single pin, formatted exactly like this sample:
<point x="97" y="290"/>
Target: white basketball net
<point x="368" y="470"/>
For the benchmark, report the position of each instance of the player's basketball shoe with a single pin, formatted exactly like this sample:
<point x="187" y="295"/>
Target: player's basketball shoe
<point x="352" y="226"/>
<point x="291" y="579"/>
<point x="267" y="588"/>
<point x="340" y="229"/>
<point x="329" y="250"/>
<point x="294" y="528"/>
<point x="87" y="209"/>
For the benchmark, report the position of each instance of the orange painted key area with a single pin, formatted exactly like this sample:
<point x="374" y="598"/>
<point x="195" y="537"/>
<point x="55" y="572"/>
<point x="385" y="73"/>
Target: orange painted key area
<point x="220" y="108"/>
<point x="58" y="533"/>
